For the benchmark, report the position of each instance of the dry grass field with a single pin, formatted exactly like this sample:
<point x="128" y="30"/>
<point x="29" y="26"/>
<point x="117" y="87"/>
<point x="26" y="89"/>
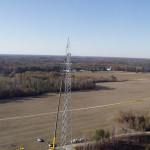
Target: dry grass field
<point x="22" y="120"/>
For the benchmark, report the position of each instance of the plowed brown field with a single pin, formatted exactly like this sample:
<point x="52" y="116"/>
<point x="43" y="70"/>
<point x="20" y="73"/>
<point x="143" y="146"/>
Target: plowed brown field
<point x="22" y="120"/>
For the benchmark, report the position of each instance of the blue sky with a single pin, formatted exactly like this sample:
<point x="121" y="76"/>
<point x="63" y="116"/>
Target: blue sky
<point x="114" y="28"/>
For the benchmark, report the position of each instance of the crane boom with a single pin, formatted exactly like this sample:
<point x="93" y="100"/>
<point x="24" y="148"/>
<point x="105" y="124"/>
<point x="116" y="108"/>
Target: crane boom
<point x="54" y="139"/>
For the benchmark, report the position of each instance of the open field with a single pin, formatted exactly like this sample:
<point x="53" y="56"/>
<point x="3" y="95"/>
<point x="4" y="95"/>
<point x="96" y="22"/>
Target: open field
<point x="24" y="119"/>
<point x="121" y="76"/>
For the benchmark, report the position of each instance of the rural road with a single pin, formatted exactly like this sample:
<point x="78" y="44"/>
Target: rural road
<point x="79" y="109"/>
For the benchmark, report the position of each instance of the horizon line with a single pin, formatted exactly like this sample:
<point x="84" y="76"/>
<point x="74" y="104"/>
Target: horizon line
<point x="74" y="56"/>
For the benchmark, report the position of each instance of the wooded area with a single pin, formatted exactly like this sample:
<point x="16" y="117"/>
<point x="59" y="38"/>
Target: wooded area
<point x="11" y="64"/>
<point x="33" y="75"/>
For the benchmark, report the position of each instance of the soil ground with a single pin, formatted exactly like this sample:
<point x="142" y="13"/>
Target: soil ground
<point x="23" y="120"/>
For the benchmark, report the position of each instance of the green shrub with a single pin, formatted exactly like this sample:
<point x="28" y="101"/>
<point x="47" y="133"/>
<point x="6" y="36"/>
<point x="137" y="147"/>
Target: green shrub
<point x="100" y="134"/>
<point x="107" y="135"/>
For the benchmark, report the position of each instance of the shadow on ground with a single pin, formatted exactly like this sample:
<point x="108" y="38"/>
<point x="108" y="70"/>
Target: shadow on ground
<point x="21" y="99"/>
<point x="99" y="87"/>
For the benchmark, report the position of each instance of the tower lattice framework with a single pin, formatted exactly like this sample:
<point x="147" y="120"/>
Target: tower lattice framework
<point x="66" y="131"/>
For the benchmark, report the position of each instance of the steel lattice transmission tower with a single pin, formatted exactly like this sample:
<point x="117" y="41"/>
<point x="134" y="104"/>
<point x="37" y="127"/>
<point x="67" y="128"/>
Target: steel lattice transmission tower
<point x="66" y="131"/>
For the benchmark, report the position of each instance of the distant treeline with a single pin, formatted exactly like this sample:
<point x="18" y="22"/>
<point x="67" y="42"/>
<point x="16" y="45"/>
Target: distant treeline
<point x="33" y="75"/>
<point x="34" y="83"/>
<point x="12" y="64"/>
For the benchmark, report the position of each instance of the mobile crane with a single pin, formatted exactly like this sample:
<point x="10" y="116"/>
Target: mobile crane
<point x="54" y="139"/>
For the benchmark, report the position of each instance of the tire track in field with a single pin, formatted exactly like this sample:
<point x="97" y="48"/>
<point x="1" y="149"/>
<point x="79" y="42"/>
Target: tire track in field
<point x="79" y="109"/>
